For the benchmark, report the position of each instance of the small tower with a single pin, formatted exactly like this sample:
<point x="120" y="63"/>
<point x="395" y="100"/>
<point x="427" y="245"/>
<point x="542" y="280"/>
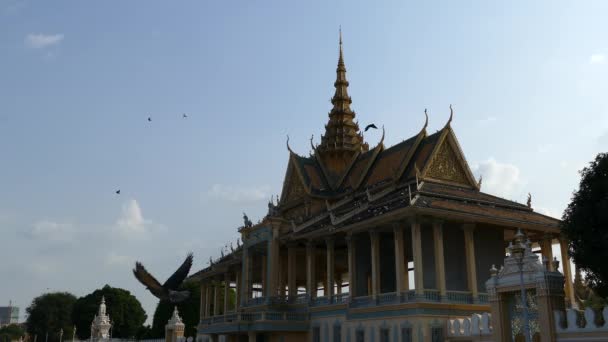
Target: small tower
<point x="342" y="138"/>
<point x="100" y="327"/>
<point x="174" y="330"/>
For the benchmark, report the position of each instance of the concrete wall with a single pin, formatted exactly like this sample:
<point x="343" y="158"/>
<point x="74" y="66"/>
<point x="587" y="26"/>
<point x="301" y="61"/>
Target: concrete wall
<point x="387" y="263"/>
<point x="489" y="250"/>
<point x="364" y="264"/>
<point x="428" y="257"/>
<point x="455" y="259"/>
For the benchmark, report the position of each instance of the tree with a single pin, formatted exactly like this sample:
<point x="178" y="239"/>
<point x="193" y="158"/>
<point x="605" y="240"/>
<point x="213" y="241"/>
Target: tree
<point x="189" y="311"/>
<point x="11" y="332"/>
<point x="124" y="309"/>
<point x="585" y="224"/>
<point x="50" y="313"/>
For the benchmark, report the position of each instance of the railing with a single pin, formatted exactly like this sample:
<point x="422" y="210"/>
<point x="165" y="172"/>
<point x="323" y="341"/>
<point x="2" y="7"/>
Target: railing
<point x="459" y="297"/>
<point x="431" y="295"/>
<point x="341" y="298"/>
<point x="358" y="302"/>
<point x="256" y="301"/>
<point x="256" y="316"/>
<point x="318" y="301"/>
<point x="387" y="298"/>
<point x="483" y="298"/>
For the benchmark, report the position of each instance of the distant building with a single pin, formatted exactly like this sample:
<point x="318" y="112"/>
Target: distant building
<point x="9" y="315"/>
<point x="100" y="327"/>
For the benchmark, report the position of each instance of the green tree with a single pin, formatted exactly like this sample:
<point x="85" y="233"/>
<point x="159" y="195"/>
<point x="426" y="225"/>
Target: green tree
<point x="50" y="313"/>
<point x="189" y="311"/>
<point x="124" y="309"/>
<point x="585" y="224"/>
<point x="11" y="332"/>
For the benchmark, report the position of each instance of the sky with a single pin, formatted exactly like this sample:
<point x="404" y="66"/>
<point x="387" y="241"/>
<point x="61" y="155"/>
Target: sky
<point x="78" y="80"/>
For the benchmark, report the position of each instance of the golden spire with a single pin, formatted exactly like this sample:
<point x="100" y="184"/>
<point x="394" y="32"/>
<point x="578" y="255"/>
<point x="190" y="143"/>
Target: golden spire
<point x="341" y="132"/>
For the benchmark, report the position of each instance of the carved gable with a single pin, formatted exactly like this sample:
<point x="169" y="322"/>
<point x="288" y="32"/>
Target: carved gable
<point x="446" y="165"/>
<point x="294" y="188"/>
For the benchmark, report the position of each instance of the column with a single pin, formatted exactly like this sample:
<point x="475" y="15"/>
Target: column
<point x="329" y="289"/>
<point x="237" y="290"/>
<point x="292" y="272"/>
<point x="469" y="250"/>
<point x="226" y="292"/>
<point x="417" y="251"/>
<point x="339" y="284"/>
<point x="400" y="265"/>
<point x="311" y="281"/>
<point x="246" y="281"/>
<point x="568" y="286"/>
<point x="216" y="297"/>
<point x="546" y="250"/>
<point x="273" y="263"/>
<point x="208" y="299"/>
<point x="203" y="302"/>
<point x="252" y="336"/>
<point x="264" y="276"/>
<point x="439" y="258"/>
<point x="375" y="247"/>
<point x="352" y="279"/>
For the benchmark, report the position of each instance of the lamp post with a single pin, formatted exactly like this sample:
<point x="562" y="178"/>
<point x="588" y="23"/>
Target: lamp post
<point x="518" y="252"/>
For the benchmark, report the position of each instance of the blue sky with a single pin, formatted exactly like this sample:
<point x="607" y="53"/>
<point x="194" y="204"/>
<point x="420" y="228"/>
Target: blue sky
<point x="78" y="80"/>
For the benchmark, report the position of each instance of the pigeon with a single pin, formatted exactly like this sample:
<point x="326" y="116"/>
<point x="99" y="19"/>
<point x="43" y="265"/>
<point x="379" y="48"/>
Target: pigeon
<point x="149" y="119"/>
<point x="169" y="290"/>
<point x="184" y="115"/>
<point x="370" y="126"/>
<point x="118" y="192"/>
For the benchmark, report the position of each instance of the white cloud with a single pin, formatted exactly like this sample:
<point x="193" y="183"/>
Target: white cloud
<point x="597" y="58"/>
<point x="40" y="40"/>
<point x="239" y="194"/>
<point x="132" y="222"/>
<point x="498" y="178"/>
<point x="53" y="231"/>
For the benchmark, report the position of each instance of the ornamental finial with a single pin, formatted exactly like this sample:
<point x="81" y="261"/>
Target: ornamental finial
<point x="451" y="116"/>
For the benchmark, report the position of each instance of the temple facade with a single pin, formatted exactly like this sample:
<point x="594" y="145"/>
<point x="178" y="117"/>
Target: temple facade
<point x="367" y="243"/>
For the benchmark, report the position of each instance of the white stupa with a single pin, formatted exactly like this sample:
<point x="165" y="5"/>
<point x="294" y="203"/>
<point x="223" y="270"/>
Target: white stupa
<point x="100" y="327"/>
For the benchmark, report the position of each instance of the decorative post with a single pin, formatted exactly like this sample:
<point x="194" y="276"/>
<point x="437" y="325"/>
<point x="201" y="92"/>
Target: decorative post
<point x="417" y="251"/>
<point x="400" y="264"/>
<point x="226" y="292"/>
<point x="375" y="247"/>
<point x="174" y="329"/>
<point x="439" y="259"/>
<point x="329" y="290"/>
<point x="352" y="279"/>
<point x="311" y="281"/>
<point x="469" y="250"/>
<point x="291" y="272"/>
<point x="518" y="251"/>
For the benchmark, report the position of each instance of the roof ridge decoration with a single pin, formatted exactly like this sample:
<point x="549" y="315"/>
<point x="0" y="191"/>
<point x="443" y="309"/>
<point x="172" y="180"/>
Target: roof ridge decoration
<point x="446" y="158"/>
<point x="406" y="160"/>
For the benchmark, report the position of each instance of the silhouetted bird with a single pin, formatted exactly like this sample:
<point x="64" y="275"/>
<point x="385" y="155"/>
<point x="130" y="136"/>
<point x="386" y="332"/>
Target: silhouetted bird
<point x="184" y="115"/>
<point x="169" y="290"/>
<point x="370" y="126"/>
<point x="118" y="192"/>
<point x="149" y="119"/>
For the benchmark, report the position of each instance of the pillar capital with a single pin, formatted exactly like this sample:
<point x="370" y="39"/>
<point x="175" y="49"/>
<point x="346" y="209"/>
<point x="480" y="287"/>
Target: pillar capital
<point x="438" y="221"/>
<point x="373" y="234"/>
<point x="350" y="238"/>
<point x="468" y="227"/>
<point x="329" y="241"/>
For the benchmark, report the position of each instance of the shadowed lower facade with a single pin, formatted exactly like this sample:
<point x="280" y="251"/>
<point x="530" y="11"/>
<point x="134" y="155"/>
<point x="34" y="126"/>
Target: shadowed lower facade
<point x="367" y="243"/>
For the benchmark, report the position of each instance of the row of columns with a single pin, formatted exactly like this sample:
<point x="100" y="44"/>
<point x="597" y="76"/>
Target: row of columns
<point x="271" y="280"/>
<point x="210" y="295"/>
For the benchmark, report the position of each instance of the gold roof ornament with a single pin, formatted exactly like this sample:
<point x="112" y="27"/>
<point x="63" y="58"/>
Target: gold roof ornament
<point x="342" y="134"/>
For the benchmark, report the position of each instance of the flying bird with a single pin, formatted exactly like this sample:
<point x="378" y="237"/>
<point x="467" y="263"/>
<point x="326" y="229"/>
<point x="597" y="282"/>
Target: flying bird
<point x="184" y="115"/>
<point x="118" y="192"/>
<point x="149" y="119"/>
<point x="169" y="290"/>
<point x="370" y="126"/>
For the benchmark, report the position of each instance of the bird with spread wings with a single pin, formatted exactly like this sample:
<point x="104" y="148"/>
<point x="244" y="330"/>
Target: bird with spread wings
<point x="169" y="290"/>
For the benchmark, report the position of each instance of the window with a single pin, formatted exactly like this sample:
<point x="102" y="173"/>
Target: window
<point x="437" y="334"/>
<point x="360" y="336"/>
<point x="337" y="333"/>
<point x="406" y="334"/>
<point x="316" y="334"/>
<point x="384" y="333"/>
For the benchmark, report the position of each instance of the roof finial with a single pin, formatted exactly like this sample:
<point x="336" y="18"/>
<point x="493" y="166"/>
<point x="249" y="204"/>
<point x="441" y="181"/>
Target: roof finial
<point x="311" y="143"/>
<point x="426" y="122"/>
<point x="451" y="116"/>
<point x="289" y="148"/>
